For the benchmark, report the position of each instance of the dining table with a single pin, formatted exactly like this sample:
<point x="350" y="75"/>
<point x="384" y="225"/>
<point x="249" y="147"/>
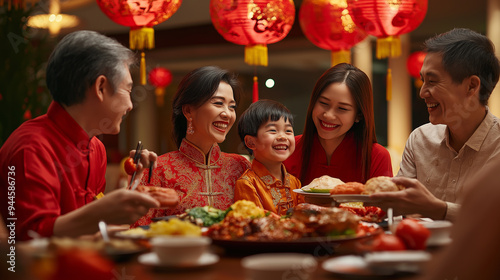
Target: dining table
<point x="229" y="267"/>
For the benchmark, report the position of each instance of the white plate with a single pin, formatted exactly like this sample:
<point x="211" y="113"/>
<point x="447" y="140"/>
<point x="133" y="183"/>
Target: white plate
<point x="342" y="198"/>
<point x="351" y="266"/>
<point x="299" y="191"/>
<point x="151" y="259"/>
<point x="397" y="261"/>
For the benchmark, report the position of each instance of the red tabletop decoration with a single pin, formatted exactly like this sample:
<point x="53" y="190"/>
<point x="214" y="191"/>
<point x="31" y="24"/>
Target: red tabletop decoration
<point x="140" y="16"/>
<point x="254" y="24"/>
<point x="328" y="25"/>
<point x="414" y="64"/>
<point x="160" y="78"/>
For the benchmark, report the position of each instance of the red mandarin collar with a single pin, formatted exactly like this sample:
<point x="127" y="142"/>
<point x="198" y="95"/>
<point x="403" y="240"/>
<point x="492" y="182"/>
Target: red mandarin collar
<point x="69" y="126"/>
<point x="197" y="155"/>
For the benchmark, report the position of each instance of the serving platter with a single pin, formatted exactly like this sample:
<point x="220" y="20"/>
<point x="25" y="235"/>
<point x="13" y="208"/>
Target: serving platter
<point x="325" y="245"/>
<point x="316" y="194"/>
<point x="342" y="198"/>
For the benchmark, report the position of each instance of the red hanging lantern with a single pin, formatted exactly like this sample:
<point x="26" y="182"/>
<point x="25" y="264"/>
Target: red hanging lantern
<point x="329" y="26"/>
<point x="386" y="20"/>
<point x="414" y="64"/>
<point x="254" y="24"/>
<point x="160" y="78"/>
<point x="140" y="16"/>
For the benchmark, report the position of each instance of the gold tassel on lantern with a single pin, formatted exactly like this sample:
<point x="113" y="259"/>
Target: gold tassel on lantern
<point x="142" y="68"/>
<point x="256" y="55"/>
<point x="159" y="92"/>
<point x="388" y="47"/>
<point x="142" y="38"/>
<point x="388" y="96"/>
<point x="341" y="56"/>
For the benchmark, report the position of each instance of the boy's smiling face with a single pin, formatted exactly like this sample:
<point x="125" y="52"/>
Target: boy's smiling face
<point x="275" y="141"/>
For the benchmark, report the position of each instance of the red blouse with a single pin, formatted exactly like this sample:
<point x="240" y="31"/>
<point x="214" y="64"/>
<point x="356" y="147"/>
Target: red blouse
<point x="199" y="181"/>
<point x="343" y="163"/>
<point x="57" y="169"/>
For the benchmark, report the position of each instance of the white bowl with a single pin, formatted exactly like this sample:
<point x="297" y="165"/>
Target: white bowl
<point x="175" y="250"/>
<point x="440" y="232"/>
<point x="279" y="266"/>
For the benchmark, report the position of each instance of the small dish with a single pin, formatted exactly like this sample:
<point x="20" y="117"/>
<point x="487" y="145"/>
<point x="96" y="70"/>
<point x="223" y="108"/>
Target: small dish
<point x="152" y="260"/>
<point x="397" y="261"/>
<point x="352" y="266"/>
<point x="279" y="266"/>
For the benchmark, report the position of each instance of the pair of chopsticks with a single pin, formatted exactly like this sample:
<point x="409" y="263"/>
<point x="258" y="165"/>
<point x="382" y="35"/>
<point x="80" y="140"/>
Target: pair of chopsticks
<point x="137" y="157"/>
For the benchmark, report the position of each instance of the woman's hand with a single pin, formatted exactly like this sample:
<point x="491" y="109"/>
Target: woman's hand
<point x="415" y="199"/>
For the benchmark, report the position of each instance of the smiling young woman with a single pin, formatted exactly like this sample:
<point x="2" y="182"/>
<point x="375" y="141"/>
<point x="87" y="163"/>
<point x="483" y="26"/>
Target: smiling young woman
<point x="339" y="134"/>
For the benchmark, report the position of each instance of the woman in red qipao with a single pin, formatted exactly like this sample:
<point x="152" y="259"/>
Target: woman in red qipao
<point x="339" y="134"/>
<point x="204" y="110"/>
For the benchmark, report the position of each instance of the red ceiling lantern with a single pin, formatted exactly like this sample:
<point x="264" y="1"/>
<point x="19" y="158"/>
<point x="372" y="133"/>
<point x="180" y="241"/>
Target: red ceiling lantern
<point x="254" y="24"/>
<point x="140" y="16"/>
<point x="160" y="78"/>
<point x="386" y="20"/>
<point x="328" y="25"/>
<point x="414" y="64"/>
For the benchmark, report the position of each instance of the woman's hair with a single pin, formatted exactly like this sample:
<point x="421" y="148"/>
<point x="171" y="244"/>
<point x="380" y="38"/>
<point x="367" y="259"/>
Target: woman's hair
<point x="258" y="114"/>
<point x="466" y="53"/>
<point x="196" y="88"/>
<point x="359" y="85"/>
<point x="79" y="58"/>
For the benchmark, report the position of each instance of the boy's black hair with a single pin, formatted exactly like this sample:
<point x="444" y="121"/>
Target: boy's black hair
<point x="259" y="113"/>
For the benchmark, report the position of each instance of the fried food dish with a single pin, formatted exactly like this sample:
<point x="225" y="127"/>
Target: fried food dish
<point x="166" y="197"/>
<point x="348" y="188"/>
<point x="322" y="184"/>
<point x="326" y="221"/>
<point x="381" y="184"/>
<point x="306" y="220"/>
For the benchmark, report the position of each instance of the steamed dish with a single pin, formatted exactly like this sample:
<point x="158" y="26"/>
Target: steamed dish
<point x="322" y="184"/>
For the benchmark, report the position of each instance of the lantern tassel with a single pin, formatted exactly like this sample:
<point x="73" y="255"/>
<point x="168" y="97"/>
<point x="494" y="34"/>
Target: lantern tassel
<point x="143" y="68"/>
<point x="142" y="38"/>
<point x="341" y="57"/>
<point x="256" y="55"/>
<point x="388" y="96"/>
<point x="255" y="95"/>
<point x="388" y="47"/>
<point x="159" y="92"/>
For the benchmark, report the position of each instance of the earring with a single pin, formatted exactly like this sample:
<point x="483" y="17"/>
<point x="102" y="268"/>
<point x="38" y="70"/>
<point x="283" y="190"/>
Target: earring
<point x="190" y="129"/>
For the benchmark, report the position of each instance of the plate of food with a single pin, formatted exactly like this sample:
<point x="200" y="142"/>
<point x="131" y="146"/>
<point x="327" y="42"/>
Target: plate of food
<point x="309" y="228"/>
<point x="172" y="226"/>
<point x="343" y="198"/>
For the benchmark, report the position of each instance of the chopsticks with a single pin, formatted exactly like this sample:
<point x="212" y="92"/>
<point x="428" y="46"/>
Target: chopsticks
<point x="151" y="165"/>
<point x="137" y="156"/>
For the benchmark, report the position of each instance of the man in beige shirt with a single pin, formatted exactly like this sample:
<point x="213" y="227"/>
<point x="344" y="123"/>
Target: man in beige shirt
<point x="459" y="74"/>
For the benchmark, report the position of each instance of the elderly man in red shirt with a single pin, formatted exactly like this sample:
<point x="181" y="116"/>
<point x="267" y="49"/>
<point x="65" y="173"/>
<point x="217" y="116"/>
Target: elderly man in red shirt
<point x="52" y="167"/>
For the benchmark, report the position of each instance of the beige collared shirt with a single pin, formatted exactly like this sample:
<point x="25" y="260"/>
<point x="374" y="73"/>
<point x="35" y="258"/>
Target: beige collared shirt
<point x="429" y="158"/>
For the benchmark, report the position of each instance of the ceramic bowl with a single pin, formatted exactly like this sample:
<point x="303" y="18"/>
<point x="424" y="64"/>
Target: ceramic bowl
<point x="279" y="266"/>
<point x="176" y="250"/>
<point x="440" y="232"/>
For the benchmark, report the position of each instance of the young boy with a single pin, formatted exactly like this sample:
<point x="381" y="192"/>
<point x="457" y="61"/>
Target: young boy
<point x="266" y="128"/>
